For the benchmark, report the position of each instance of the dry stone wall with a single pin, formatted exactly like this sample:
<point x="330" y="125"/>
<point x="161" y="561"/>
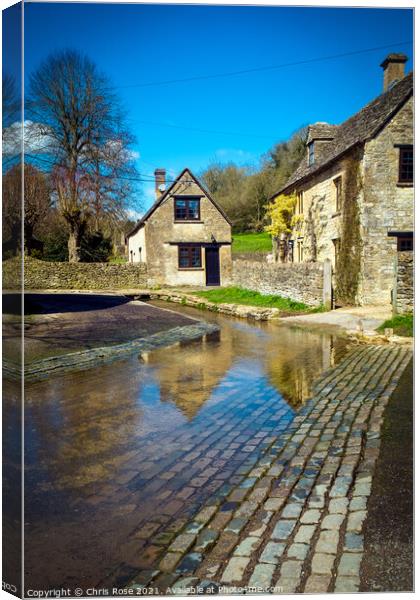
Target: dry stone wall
<point x="303" y="282"/>
<point x="40" y="274"/>
<point x="404" y="283"/>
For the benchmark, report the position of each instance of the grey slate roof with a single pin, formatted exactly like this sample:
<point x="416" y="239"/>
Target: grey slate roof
<point x="364" y="125"/>
<point x="321" y="131"/>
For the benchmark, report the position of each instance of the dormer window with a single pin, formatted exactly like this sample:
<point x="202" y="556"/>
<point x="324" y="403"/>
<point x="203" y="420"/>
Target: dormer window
<point x="311" y="153"/>
<point x="187" y="209"/>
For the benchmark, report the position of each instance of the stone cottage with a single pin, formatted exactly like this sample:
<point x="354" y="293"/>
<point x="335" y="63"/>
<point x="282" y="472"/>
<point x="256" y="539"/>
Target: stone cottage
<point x="354" y="192"/>
<point x="185" y="238"/>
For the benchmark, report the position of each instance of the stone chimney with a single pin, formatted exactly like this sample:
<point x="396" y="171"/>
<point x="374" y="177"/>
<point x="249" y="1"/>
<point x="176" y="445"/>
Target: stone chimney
<point x="393" y="67"/>
<point x="160" y="175"/>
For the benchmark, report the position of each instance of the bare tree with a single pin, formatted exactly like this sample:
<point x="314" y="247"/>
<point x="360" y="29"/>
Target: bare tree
<point x="12" y="210"/>
<point x="37" y="203"/>
<point x="82" y="120"/>
<point x="10" y="101"/>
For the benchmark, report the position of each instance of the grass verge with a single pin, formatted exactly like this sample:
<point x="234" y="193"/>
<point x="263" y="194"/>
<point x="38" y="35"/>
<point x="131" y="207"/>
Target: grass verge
<point x="251" y="242"/>
<point x="401" y="324"/>
<point x="237" y="295"/>
<point x="117" y="260"/>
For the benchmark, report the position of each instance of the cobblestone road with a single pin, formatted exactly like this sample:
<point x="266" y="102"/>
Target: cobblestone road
<point x="146" y="442"/>
<point x="292" y="515"/>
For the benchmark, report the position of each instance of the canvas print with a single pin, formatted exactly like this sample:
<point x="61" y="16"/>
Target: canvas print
<point x="207" y="260"/>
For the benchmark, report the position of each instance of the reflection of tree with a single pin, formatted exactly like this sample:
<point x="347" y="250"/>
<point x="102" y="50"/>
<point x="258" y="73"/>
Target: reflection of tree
<point x="187" y="377"/>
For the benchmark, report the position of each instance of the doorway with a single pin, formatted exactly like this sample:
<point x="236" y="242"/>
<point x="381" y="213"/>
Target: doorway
<point x="212" y="266"/>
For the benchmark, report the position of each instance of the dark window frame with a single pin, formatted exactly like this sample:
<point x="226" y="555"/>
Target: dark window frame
<point x="299" y="204"/>
<point x="187" y="200"/>
<point x="405" y="167"/>
<point x="405" y="244"/>
<point x="191" y="252"/>
<point x="337" y="249"/>
<point x="338" y="182"/>
<point x="299" y="249"/>
<point x="311" y="153"/>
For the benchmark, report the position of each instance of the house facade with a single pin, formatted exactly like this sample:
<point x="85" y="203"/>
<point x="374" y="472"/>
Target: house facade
<point x="185" y="238"/>
<point x="354" y="191"/>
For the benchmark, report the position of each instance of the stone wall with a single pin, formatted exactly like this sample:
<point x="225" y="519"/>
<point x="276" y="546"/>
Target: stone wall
<point x="385" y="205"/>
<point x="77" y="276"/>
<point x="163" y="234"/>
<point x="388" y="206"/>
<point x="403" y="296"/>
<point x="303" y="282"/>
<point x="320" y="222"/>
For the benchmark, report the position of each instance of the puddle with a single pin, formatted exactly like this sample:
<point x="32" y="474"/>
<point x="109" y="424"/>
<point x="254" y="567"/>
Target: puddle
<point x="149" y="439"/>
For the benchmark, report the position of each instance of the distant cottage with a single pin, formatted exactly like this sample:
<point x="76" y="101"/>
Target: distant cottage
<point x="185" y="237"/>
<point x="355" y="191"/>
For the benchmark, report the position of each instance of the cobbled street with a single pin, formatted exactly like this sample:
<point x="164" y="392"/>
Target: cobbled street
<point x="294" y="521"/>
<point x="244" y="458"/>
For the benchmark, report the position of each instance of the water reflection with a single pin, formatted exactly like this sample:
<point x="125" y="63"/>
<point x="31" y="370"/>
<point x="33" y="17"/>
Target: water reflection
<point x="104" y="415"/>
<point x="298" y="359"/>
<point x="187" y="376"/>
<point x="118" y="445"/>
<point x="291" y="359"/>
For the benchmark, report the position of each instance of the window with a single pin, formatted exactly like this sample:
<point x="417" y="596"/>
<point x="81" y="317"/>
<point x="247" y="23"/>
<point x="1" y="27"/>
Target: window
<point x="337" y="248"/>
<point x="299" y="205"/>
<point x="311" y="153"/>
<point x="189" y="257"/>
<point x="139" y="254"/>
<point x="406" y="165"/>
<point x="404" y="244"/>
<point x="338" y="182"/>
<point x="299" y="248"/>
<point x="187" y="209"/>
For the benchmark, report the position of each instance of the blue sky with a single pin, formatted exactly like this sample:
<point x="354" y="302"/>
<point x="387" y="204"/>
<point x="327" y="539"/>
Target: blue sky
<point x="243" y="115"/>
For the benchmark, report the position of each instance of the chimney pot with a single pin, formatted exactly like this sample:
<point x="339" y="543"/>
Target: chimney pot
<point x="160" y="176"/>
<point x="393" y="66"/>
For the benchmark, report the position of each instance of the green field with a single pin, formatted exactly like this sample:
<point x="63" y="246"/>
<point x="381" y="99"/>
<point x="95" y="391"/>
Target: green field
<point x="251" y="242"/>
<point x="237" y="295"/>
<point x="401" y="324"/>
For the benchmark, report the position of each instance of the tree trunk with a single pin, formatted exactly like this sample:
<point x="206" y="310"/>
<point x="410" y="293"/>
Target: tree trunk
<point x="28" y="238"/>
<point x="276" y="248"/>
<point x="287" y="255"/>
<point x="74" y="244"/>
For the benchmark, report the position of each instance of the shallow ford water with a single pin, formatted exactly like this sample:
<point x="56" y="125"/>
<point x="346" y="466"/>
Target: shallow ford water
<point x="122" y="452"/>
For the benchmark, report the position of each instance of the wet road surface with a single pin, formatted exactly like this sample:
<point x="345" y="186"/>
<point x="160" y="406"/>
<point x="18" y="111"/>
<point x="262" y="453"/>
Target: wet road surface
<point x="119" y="453"/>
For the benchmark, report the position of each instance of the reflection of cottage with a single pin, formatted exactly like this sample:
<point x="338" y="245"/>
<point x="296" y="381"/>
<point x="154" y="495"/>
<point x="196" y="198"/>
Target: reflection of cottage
<point x="368" y="159"/>
<point x="185" y="237"/>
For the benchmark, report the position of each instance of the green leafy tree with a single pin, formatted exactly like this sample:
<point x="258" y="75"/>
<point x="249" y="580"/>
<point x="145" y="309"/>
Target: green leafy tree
<point x="281" y="213"/>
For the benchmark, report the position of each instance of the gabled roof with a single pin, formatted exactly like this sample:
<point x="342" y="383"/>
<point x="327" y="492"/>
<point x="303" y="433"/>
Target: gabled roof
<point x="321" y="131"/>
<point x="359" y="128"/>
<point x="167" y="193"/>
